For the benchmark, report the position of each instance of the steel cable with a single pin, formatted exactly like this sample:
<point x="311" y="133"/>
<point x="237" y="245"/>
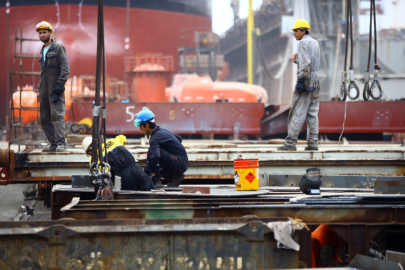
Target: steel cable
<point x="377" y="68"/>
<point x="352" y="84"/>
<point x="343" y="92"/>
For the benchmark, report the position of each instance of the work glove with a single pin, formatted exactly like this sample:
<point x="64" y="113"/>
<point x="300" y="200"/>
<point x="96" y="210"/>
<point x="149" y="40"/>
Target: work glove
<point x="300" y="85"/>
<point x="60" y="88"/>
<point x="147" y="171"/>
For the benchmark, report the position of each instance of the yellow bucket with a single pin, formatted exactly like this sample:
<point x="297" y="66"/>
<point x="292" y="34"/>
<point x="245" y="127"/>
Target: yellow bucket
<point x="246" y="172"/>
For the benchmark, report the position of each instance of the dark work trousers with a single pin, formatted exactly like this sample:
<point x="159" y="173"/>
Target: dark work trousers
<point x="134" y="178"/>
<point x="168" y="166"/>
<point x="52" y="115"/>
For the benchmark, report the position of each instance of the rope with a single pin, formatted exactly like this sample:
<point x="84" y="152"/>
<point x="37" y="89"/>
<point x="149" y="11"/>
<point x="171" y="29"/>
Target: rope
<point x="344" y="121"/>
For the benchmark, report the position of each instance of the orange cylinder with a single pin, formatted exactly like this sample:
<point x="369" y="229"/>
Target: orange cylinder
<point x="28" y="99"/>
<point x="149" y="83"/>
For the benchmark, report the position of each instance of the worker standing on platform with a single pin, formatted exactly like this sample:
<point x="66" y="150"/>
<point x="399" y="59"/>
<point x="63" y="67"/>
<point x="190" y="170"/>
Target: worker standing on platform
<point x="122" y="164"/>
<point x="166" y="155"/>
<point x="305" y="105"/>
<point x="54" y="74"/>
<point x="325" y="248"/>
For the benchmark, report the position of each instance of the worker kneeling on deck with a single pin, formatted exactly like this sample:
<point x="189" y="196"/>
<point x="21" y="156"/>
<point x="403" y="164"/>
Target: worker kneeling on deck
<point x="325" y="248"/>
<point x="166" y="155"/>
<point x="122" y="164"/>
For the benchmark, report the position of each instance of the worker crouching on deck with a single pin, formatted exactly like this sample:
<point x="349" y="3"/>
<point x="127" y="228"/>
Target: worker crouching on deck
<point x="325" y="248"/>
<point x="166" y="155"/>
<point x="305" y="105"/>
<point x="122" y="164"/>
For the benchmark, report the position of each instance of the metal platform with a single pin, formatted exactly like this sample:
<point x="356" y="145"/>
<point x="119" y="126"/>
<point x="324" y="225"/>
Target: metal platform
<point x="217" y="163"/>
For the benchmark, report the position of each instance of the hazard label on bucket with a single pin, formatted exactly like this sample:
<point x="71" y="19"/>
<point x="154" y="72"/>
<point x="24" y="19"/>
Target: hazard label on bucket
<point x="250" y="177"/>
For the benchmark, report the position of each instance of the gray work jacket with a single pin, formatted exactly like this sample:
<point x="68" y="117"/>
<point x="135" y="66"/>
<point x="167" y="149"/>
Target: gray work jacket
<point x="308" y="61"/>
<point x="55" y="68"/>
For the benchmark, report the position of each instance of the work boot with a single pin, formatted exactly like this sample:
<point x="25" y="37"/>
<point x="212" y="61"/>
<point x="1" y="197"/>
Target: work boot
<point x="285" y="147"/>
<point x="177" y="178"/>
<point x="308" y="148"/>
<point x="49" y="149"/>
<point x="61" y="148"/>
<point x="158" y="184"/>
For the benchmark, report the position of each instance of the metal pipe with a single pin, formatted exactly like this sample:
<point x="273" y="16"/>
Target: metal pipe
<point x="250" y="27"/>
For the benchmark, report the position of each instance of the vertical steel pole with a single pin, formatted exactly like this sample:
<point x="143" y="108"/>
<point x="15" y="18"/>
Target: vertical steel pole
<point x="250" y="26"/>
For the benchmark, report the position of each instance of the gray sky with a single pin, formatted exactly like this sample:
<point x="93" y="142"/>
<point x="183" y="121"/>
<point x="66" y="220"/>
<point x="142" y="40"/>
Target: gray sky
<point x="222" y="13"/>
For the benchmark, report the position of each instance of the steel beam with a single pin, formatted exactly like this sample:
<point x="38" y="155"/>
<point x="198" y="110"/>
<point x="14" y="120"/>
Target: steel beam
<point x="144" y="244"/>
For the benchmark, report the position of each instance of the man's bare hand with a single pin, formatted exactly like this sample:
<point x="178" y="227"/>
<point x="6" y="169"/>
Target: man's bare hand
<point x="143" y="157"/>
<point x="294" y="58"/>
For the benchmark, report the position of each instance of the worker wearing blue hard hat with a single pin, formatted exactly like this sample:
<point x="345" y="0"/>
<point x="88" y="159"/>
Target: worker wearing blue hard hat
<point x="166" y="157"/>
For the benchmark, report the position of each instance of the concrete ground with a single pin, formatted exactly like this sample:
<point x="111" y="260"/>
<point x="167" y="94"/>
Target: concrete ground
<point x="11" y="200"/>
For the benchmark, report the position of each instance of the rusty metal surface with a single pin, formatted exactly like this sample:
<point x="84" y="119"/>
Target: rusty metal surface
<point x="397" y="257"/>
<point x="364" y="262"/>
<point x="143" y="244"/>
<point x="362" y="117"/>
<point x="262" y="207"/>
<point x="217" y="163"/>
<point x="338" y="181"/>
<point x="180" y="118"/>
<point x="389" y="186"/>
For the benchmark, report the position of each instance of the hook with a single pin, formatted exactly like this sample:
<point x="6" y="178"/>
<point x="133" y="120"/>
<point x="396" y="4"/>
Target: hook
<point x="376" y="83"/>
<point x="352" y="85"/>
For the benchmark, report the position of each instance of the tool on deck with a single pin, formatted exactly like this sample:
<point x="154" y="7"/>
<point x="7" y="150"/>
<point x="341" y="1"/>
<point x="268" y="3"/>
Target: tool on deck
<point x="100" y="171"/>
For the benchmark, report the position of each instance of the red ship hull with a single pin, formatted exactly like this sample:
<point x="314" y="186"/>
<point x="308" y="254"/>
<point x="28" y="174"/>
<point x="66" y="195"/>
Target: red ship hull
<point x="180" y="118"/>
<point x="361" y="117"/>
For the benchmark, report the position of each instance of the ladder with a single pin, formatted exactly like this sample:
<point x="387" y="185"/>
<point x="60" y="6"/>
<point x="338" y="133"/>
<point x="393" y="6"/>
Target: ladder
<point x="16" y="127"/>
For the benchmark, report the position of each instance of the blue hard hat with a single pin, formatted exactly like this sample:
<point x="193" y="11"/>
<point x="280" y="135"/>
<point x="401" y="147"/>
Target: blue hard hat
<point x="143" y="116"/>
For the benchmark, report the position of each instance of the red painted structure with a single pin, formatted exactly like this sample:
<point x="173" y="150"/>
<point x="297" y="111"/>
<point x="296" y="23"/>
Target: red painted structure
<point x="180" y="118"/>
<point x="361" y="117"/>
<point x="154" y="26"/>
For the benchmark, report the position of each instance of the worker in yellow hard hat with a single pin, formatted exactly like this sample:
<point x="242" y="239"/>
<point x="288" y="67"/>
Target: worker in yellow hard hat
<point x="123" y="164"/>
<point x="51" y="88"/>
<point x="305" y="104"/>
<point x="44" y="25"/>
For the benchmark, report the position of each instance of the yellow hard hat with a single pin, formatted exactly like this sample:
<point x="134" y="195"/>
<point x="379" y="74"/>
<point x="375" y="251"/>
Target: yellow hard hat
<point x="300" y="23"/>
<point x="44" y="25"/>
